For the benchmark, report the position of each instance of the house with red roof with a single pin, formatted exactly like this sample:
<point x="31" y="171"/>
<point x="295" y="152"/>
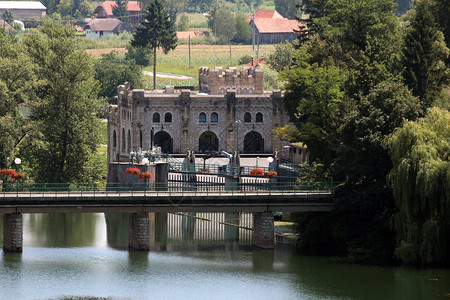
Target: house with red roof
<point x="105" y="10"/>
<point x="270" y="27"/>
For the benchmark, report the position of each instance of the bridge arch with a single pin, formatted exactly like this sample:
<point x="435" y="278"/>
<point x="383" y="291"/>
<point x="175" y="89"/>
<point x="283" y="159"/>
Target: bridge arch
<point x="208" y="141"/>
<point x="253" y="142"/>
<point x="164" y="140"/>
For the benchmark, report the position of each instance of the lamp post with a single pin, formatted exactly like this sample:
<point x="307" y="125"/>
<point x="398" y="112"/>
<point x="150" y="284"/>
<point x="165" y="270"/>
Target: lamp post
<point x="17" y="161"/>
<point x="237" y="134"/>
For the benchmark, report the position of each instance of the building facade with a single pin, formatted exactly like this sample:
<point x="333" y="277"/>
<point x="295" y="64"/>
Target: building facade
<point x="231" y="111"/>
<point x="24" y="10"/>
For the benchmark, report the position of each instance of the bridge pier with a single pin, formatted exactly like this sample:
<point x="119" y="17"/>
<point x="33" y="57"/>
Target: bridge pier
<point x="139" y="234"/>
<point x="12" y="232"/>
<point x="263" y="230"/>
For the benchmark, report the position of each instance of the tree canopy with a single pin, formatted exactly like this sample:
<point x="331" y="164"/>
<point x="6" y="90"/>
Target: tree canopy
<point x="155" y="31"/>
<point x="347" y="90"/>
<point x="420" y="177"/>
<point x="67" y="100"/>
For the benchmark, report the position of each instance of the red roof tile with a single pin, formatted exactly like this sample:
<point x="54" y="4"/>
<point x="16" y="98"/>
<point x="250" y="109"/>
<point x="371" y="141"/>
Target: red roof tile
<point x="108" y="6"/>
<point x="267" y="13"/>
<point x="266" y="25"/>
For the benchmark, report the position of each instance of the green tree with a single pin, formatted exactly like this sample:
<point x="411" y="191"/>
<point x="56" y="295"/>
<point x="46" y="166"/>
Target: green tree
<point x="65" y="8"/>
<point x="243" y="28"/>
<point x="441" y="11"/>
<point x="183" y="24"/>
<point x="420" y="178"/>
<point x="112" y="71"/>
<point x="142" y="56"/>
<point x="64" y="112"/>
<point x="221" y="21"/>
<point x="174" y="7"/>
<point x="312" y="99"/>
<point x="365" y="204"/>
<point x="120" y="10"/>
<point x="17" y="86"/>
<point x="8" y="17"/>
<point x="288" y="8"/>
<point x="424" y="53"/>
<point x="282" y="57"/>
<point x="84" y="10"/>
<point x="156" y="31"/>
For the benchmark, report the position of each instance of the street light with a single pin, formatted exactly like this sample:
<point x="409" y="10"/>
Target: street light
<point x="17" y="161"/>
<point x="237" y="134"/>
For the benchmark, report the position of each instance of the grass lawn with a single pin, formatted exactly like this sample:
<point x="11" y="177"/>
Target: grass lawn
<point x="177" y="61"/>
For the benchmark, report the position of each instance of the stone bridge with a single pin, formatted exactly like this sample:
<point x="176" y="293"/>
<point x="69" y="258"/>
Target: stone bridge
<point x="262" y="203"/>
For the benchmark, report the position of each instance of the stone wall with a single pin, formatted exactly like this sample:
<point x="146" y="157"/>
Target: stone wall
<point x="263" y="230"/>
<point x="247" y="81"/>
<point x="12" y="232"/>
<point x="131" y="123"/>
<point x="139" y="234"/>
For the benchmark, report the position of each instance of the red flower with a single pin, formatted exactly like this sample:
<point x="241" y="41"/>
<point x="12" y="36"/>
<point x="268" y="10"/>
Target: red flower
<point x="135" y="171"/>
<point x="270" y="174"/>
<point x="146" y="175"/>
<point x="7" y="172"/>
<point x="18" y="176"/>
<point x="256" y="171"/>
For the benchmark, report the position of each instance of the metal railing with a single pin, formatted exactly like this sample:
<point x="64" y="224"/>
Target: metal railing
<point x="151" y="188"/>
<point x="225" y="169"/>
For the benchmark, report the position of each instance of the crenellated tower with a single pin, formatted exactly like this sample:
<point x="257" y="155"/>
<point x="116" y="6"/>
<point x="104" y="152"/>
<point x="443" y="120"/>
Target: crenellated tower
<point x="215" y="81"/>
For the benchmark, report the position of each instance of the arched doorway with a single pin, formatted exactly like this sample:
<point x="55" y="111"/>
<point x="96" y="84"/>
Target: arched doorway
<point x="253" y="143"/>
<point x="208" y="141"/>
<point x="162" y="139"/>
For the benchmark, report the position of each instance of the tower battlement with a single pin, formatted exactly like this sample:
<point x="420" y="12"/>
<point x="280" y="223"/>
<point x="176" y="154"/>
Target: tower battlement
<point x="215" y="81"/>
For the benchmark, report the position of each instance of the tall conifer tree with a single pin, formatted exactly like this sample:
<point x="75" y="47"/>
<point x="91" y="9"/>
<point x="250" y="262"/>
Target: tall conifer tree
<point x="155" y="31"/>
<point x="424" y="70"/>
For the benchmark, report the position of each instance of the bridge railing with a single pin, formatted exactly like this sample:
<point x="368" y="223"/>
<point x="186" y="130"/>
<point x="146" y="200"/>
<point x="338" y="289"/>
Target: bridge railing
<point x="214" y="169"/>
<point x="167" y="188"/>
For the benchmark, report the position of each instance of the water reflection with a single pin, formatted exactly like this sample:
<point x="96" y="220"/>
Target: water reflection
<point x="60" y="230"/>
<point x="193" y="256"/>
<point x="117" y="230"/>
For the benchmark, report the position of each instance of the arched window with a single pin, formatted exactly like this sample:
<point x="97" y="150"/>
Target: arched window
<point x="124" y="145"/>
<point x="214" y="117"/>
<point x="156" y="117"/>
<point x="247" y="117"/>
<point x="202" y="117"/>
<point x="129" y="141"/>
<point x="259" y="117"/>
<point x="168" y="118"/>
<point x="114" y="141"/>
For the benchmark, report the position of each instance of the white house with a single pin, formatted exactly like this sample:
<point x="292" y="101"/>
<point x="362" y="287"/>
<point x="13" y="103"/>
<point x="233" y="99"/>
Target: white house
<point x="102" y="28"/>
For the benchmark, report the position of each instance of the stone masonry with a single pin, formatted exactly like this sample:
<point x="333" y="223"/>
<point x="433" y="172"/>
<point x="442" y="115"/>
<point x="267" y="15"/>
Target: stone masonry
<point x="139" y="235"/>
<point x="263" y="230"/>
<point x="248" y="81"/>
<point x="239" y="115"/>
<point x="12" y="232"/>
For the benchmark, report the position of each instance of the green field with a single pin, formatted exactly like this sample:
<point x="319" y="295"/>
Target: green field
<point x="177" y="61"/>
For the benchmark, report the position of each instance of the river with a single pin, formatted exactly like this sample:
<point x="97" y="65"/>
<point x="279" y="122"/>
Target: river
<point x="74" y="255"/>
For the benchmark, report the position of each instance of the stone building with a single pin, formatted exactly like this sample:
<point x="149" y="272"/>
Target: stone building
<point x="230" y="111"/>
